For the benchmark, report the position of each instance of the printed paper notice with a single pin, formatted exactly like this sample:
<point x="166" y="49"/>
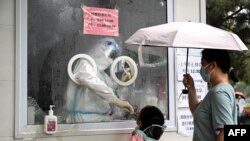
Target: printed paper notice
<point x="185" y="123"/>
<point x="100" y="21"/>
<point x="192" y="52"/>
<point x="194" y="65"/>
<point x="201" y="91"/>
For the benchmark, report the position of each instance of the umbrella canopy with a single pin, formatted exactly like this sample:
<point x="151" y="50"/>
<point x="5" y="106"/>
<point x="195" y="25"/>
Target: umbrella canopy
<point x="187" y="35"/>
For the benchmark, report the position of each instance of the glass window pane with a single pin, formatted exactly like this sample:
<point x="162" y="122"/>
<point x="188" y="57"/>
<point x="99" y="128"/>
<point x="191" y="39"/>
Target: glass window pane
<point x="55" y="34"/>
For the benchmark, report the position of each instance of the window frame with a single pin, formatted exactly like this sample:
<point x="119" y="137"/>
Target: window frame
<point x="23" y="130"/>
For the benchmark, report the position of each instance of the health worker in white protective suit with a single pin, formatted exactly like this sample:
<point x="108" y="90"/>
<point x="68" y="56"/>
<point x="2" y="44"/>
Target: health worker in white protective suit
<point x="90" y="96"/>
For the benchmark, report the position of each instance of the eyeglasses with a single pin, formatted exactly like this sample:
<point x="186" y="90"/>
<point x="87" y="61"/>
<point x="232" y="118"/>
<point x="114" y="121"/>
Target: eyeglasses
<point x="207" y="65"/>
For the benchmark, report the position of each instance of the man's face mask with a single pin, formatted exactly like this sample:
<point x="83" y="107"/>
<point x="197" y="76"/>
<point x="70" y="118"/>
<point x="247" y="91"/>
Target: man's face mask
<point x="203" y="74"/>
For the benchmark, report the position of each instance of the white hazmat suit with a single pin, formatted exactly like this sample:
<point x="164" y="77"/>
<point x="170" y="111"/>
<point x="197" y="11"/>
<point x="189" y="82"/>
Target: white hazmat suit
<point x="90" y="94"/>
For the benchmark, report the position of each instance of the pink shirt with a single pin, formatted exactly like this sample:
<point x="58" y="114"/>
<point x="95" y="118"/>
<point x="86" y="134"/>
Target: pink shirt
<point x="138" y="135"/>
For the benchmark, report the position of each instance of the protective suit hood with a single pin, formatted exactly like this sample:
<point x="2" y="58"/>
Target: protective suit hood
<point x="104" y="52"/>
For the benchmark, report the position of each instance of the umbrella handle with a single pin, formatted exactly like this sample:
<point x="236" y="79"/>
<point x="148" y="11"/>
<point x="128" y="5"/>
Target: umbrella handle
<point x="185" y="91"/>
<point x="187" y="60"/>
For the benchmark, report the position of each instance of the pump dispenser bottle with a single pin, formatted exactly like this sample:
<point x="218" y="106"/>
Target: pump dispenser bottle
<point x="50" y="122"/>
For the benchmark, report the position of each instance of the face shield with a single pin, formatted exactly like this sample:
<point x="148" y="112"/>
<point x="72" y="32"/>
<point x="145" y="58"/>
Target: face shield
<point x="112" y="50"/>
<point x="106" y="51"/>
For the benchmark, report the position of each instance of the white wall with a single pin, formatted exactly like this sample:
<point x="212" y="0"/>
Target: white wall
<point x="7" y="51"/>
<point x="184" y="10"/>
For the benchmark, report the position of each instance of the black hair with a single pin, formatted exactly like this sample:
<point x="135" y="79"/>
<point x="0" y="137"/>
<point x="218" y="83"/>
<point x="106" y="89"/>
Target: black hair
<point x="233" y="75"/>
<point x="221" y="57"/>
<point x="151" y="115"/>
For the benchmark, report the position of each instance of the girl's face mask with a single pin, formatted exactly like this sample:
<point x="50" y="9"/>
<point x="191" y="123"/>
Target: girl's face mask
<point x="203" y="74"/>
<point x="155" y="131"/>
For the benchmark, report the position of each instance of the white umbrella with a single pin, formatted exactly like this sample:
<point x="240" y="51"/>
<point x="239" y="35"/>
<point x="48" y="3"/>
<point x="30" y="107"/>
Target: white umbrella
<point x="186" y="35"/>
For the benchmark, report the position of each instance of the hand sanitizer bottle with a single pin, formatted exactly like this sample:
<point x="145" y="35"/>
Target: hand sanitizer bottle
<point x="50" y="122"/>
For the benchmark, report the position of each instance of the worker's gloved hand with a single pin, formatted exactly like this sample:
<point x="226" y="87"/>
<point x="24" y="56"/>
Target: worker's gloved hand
<point x="126" y="76"/>
<point x="123" y="104"/>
